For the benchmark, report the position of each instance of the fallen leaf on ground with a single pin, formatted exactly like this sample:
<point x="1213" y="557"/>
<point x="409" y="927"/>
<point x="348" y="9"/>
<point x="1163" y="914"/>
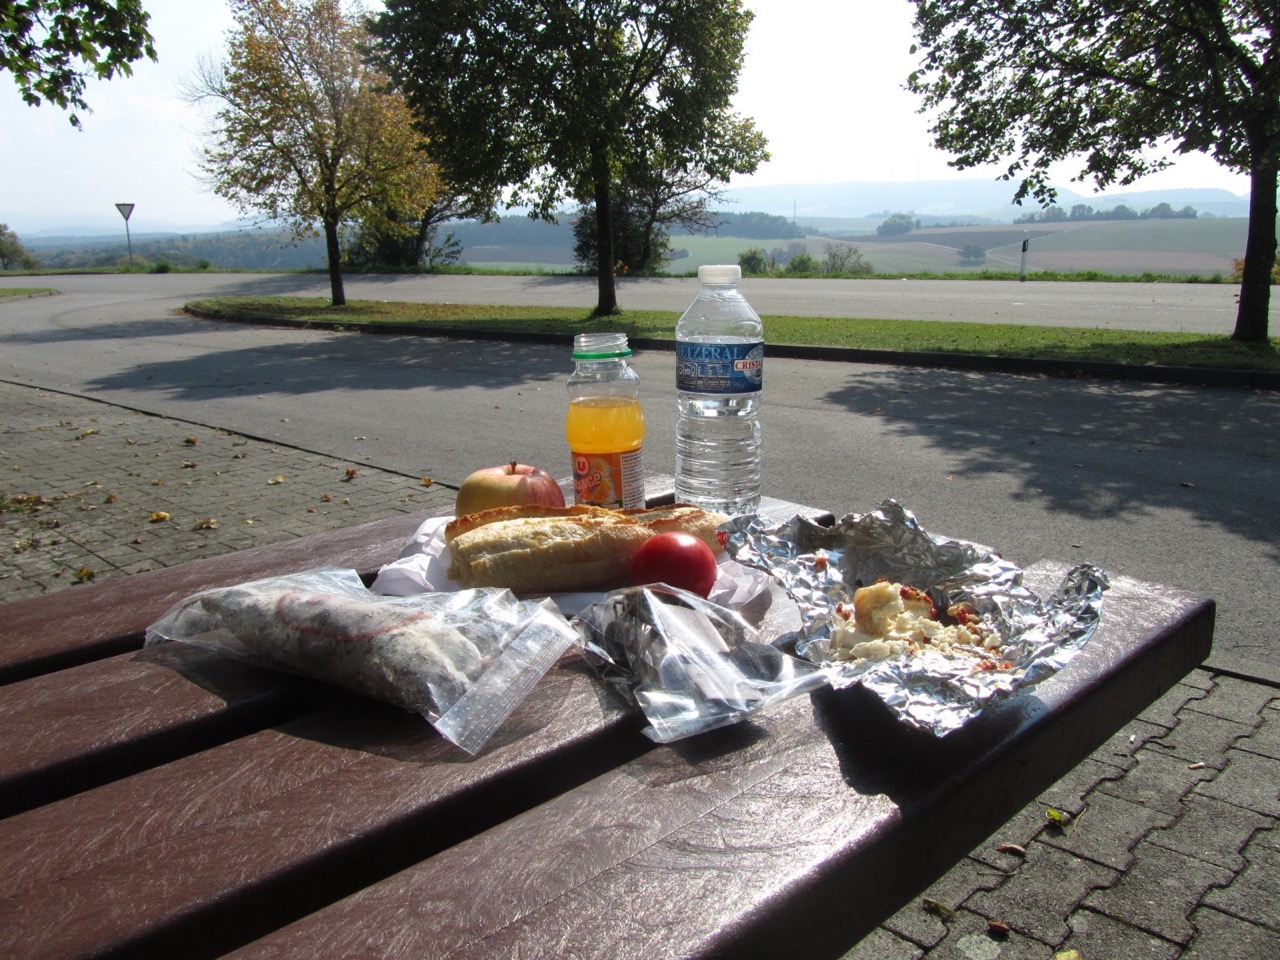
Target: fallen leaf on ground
<point x="158" y="516"/>
<point x="191" y="441"/>
<point x="939" y="908"/>
<point x="1057" y="817"/>
<point x="206" y="523"/>
<point x="276" y="480"/>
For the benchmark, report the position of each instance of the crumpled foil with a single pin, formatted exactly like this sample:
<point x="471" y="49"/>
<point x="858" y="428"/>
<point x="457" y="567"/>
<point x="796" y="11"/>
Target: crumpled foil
<point x="821" y="567"/>
<point x="689" y="664"/>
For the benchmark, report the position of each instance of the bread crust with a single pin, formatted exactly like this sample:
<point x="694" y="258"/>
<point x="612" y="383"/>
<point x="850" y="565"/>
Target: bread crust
<point x="539" y="549"/>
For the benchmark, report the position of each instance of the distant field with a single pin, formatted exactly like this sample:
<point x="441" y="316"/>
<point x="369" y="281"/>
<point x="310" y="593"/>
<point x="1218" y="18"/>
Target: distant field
<point x="1204" y="247"/>
<point x="1201" y="247"/>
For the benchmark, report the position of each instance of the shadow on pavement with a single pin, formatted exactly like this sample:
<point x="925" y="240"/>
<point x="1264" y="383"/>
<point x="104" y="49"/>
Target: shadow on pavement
<point x="340" y="362"/>
<point x="1096" y="450"/>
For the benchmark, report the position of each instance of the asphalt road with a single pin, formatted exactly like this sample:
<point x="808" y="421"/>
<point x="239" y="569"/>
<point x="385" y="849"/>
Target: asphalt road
<point x="1194" y="308"/>
<point x="1175" y="485"/>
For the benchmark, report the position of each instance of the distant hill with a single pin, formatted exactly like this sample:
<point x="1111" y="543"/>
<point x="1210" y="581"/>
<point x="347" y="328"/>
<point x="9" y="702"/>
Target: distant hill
<point x="782" y="221"/>
<point x="987" y="199"/>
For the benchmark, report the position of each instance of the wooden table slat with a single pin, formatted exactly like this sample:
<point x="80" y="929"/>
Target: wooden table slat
<point x="133" y="711"/>
<point x="381" y="791"/>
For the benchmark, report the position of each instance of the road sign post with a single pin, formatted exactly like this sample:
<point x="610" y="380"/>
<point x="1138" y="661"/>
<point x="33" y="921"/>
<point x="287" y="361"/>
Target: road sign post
<point x="125" y="210"/>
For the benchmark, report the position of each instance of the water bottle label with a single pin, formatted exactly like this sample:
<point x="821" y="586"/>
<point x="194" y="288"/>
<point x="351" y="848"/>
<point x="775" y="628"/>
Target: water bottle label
<point x="719" y="367"/>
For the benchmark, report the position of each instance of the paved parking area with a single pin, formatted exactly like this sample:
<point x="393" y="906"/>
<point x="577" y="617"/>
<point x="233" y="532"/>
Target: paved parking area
<point x="92" y="491"/>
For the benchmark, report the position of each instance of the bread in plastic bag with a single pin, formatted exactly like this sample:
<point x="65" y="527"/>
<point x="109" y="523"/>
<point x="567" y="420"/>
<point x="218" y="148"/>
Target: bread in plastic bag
<point x="463" y="659"/>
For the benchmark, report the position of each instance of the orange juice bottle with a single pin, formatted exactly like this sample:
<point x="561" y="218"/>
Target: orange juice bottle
<point x="605" y="423"/>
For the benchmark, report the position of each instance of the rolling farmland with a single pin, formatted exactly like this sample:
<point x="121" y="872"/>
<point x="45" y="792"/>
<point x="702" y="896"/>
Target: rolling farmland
<point x="1202" y="247"/>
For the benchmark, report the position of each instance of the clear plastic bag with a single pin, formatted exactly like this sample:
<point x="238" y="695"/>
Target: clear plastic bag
<point x="462" y="659"/>
<point x="689" y="664"/>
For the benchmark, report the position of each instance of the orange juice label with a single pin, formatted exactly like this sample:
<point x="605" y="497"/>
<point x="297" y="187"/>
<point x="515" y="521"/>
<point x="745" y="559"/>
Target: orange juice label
<point x="613" y="480"/>
<point x="604" y="435"/>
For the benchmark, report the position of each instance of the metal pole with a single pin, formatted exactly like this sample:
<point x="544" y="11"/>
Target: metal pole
<point x="125" y="210"/>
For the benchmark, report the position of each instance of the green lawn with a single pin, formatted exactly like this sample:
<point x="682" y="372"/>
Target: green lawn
<point x="24" y="292"/>
<point x="1005" y="340"/>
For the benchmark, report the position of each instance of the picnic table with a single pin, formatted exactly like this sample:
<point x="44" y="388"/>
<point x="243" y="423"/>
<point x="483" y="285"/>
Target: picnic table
<point x="170" y="802"/>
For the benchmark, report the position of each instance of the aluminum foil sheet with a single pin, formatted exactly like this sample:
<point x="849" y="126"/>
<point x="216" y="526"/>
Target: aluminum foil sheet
<point x="689" y="664"/>
<point x="821" y="567"/>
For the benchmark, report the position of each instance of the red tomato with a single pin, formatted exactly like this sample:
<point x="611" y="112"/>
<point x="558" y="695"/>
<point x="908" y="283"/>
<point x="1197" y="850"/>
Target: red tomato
<point x="677" y="559"/>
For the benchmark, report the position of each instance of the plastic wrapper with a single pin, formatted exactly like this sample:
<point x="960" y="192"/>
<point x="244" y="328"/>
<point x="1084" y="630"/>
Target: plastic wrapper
<point x="462" y="659"/>
<point x="821" y="567"/>
<point x="689" y="664"/>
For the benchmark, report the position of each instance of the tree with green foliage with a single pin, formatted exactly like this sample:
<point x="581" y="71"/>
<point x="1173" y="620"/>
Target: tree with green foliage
<point x="764" y="226"/>
<point x="12" y="252"/>
<point x="409" y="239"/>
<point x="51" y="47"/>
<point x="845" y="260"/>
<point x="754" y="262"/>
<point x="897" y="224"/>
<point x="536" y="103"/>
<point x="802" y="262"/>
<point x="641" y="245"/>
<point x="645" y="210"/>
<point x="304" y="130"/>
<point x="1118" y="84"/>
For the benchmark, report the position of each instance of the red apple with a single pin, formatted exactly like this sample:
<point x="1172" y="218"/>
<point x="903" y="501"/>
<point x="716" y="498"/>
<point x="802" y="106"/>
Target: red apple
<point x="511" y="485"/>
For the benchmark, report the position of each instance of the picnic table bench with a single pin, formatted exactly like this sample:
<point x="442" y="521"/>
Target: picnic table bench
<point x="170" y="802"/>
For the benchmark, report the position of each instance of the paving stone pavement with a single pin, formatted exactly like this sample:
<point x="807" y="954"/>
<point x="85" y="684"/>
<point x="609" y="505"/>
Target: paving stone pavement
<point x="90" y="491"/>
<point x="1171" y="850"/>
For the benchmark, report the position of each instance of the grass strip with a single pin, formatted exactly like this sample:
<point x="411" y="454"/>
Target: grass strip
<point x="25" y="291"/>
<point x="1130" y="347"/>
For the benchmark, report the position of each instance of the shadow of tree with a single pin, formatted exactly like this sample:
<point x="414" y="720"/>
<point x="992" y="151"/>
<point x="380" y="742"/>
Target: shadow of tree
<point x="1090" y="449"/>
<point x="340" y="362"/>
<point x="121" y="330"/>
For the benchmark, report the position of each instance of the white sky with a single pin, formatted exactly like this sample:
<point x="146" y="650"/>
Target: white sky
<point x="822" y="79"/>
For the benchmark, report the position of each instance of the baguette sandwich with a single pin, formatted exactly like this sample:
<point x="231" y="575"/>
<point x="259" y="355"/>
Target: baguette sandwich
<point x="539" y="549"/>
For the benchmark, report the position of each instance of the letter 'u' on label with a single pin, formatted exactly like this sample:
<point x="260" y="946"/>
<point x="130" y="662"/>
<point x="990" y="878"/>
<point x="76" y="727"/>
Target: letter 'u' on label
<point x="613" y="480"/>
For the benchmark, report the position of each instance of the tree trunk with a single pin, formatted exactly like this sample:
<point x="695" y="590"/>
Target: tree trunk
<point x="333" y="251"/>
<point x="420" y="241"/>
<point x="1259" y="256"/>
<point x="607" y="298"/>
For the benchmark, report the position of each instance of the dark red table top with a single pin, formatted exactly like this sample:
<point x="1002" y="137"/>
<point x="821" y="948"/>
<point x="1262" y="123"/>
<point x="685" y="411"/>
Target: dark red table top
<point x="168" y="802"/>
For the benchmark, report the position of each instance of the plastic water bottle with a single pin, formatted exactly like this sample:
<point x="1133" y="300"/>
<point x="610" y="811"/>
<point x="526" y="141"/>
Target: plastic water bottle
<point x="605" y="423"/>
<point x="719" y="380"/>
